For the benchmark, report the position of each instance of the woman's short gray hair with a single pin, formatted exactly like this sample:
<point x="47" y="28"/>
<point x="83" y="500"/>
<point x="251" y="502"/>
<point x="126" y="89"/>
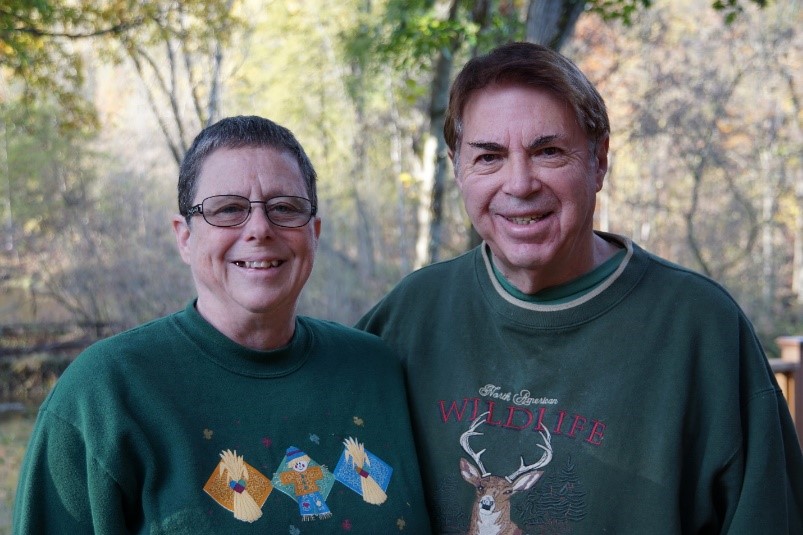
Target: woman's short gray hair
<point x="236" y="133"/>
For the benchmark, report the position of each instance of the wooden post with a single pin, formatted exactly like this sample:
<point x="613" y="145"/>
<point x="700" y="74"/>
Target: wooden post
<point x="789" y="368"/>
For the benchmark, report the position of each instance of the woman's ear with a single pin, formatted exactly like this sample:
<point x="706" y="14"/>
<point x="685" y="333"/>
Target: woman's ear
<point x="182" y="231"/>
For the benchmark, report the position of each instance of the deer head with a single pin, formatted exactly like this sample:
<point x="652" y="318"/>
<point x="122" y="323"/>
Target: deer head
<point x="491" y="510"/>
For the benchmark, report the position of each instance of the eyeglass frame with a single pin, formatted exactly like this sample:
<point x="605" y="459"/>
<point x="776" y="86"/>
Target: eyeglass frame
<point x="198" y="209"/>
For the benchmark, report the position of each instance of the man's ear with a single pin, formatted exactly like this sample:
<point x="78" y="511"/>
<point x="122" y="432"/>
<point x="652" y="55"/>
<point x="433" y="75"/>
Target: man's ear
<point x="182" y="231"/>
<point x="452" y="155"/>
<point x="601" y="157"/>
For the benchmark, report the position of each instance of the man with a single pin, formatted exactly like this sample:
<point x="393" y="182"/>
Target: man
<point x="186" y="424"/>
<point x="564" y="380"/>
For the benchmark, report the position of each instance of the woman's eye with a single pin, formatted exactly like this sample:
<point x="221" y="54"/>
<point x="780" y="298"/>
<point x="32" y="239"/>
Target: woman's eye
<point x="283" y="209"/>
<point x="230" y="209"/>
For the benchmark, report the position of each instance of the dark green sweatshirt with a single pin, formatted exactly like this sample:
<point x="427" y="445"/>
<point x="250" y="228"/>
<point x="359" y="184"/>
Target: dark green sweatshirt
<point x="173" y="428"/>
<point x="642" y="405"/>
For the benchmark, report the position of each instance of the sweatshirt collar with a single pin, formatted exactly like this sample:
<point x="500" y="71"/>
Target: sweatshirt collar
<point x="228" y="354"/>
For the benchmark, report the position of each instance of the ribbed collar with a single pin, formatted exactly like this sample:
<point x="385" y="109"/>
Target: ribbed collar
<point x="568" y="291"/>
<point x="602" y="297"/>
<point x="228" y="354"/>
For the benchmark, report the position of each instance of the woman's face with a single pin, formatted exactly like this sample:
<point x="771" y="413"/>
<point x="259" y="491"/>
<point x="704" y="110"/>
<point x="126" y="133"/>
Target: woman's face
<point x="256" y="268"/>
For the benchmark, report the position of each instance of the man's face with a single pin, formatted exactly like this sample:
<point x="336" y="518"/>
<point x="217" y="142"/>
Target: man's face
<point x="256" y="267"/>
<point x="529" y="180"/>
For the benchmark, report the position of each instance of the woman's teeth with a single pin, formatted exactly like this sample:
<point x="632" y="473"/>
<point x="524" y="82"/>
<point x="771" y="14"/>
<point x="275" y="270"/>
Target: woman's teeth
<point x="261" y="264"/>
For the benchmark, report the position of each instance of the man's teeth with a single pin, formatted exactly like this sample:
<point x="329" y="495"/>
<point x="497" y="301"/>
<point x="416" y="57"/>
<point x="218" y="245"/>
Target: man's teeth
<point x="524" y="220"/>
<point x="261" y="264"/>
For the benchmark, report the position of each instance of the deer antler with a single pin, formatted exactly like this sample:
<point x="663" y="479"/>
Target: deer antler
<point x="543" y="461"/>
<point x="464" y="438"/>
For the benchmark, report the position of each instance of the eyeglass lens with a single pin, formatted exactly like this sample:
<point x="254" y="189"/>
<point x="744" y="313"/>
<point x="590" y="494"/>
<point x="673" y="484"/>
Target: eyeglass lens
<point x="232" y="210"/>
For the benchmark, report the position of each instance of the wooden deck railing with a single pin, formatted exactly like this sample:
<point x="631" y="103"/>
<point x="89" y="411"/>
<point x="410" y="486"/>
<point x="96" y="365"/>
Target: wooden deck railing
<point x="789" y="373"/>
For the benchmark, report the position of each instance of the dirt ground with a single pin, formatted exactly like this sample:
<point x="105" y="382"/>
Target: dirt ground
<point x="25" y="380"/>
<point x="15" y="428"/>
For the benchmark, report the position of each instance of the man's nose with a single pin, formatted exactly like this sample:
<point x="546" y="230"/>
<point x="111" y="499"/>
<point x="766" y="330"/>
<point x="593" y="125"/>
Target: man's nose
<point x="521" y="177"/>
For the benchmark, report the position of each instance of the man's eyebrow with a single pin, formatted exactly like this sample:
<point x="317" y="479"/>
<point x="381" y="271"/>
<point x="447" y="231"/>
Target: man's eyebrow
<point x="487" y="145"/>
<point x="542" y="140"/>
<point x="492" y="146"/>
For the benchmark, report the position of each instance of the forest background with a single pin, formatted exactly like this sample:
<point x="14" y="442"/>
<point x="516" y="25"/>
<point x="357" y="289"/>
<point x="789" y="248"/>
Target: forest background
<point x="100" y="100"/>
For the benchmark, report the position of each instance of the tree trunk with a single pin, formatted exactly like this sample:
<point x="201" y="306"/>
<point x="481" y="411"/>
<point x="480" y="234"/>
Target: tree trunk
<point x="403" y="245"/>
<point x="365" y="244"/>
<point x="797" y="260"/>
<point x="551" y="22"/>
<point x="435" y="150"/>
<point x="8" y="245"/>
<point x="430" y="212"/>
<point x="437" y="114"/>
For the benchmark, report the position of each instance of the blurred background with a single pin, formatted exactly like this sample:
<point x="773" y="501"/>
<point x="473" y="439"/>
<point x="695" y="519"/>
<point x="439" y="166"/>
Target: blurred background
<point x="100" y="100"/>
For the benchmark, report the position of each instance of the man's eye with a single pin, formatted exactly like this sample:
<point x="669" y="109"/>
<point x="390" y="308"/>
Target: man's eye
<point x="487" y="158"/>
<point x="550" y="151"/>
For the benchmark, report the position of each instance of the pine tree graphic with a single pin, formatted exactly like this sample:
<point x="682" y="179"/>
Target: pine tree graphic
<point x="449" y="512"/>
<point x="560" y="499"/>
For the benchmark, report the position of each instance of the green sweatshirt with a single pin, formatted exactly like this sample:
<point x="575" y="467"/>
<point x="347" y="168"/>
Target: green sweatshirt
<point x="642" y="405"/>
<point x="174" y="428"/>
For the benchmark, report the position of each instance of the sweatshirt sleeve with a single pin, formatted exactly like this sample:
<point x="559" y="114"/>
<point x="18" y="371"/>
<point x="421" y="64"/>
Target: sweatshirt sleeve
<point x="763" y="486"/>
<point x="62" y="488"/>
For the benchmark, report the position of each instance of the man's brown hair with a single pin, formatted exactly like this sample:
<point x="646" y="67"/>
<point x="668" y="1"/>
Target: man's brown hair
<point x="529" y="65"/>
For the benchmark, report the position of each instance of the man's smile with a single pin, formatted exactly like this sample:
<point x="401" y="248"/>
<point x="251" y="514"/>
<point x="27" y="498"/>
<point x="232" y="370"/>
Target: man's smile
<point x="526" y="220"/>
<point x="258" y="264"/>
